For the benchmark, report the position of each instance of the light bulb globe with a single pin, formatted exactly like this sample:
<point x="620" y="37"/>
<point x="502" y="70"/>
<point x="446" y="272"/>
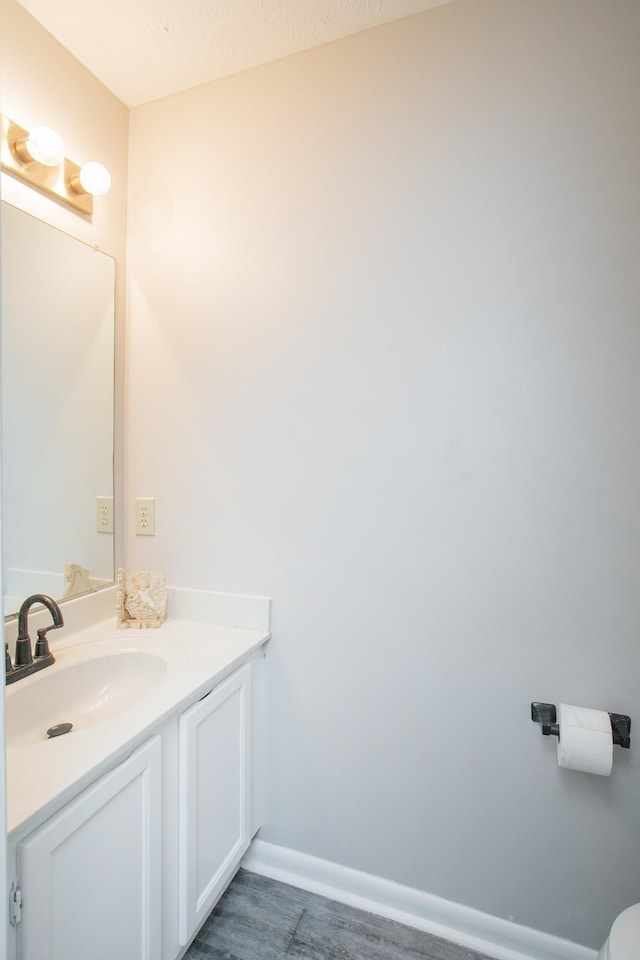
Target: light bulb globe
<point x="95" y="179"/>
<point x="45" y="146"/>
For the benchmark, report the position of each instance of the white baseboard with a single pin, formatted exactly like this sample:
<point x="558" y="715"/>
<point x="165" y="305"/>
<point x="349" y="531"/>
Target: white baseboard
<point x="443" y="918"/>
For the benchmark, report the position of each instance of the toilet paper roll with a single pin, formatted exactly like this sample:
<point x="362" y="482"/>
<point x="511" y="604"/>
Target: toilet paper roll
<point x="586" y="740"/>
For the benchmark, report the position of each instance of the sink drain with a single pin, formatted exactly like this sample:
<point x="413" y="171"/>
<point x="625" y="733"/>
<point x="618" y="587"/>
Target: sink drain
<point x="58" y="729"/>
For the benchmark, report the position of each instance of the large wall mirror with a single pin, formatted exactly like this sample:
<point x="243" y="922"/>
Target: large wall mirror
<point x="57" y="412"/>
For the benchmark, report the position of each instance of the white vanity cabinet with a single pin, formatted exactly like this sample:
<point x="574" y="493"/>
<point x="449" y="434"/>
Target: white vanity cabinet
<point x="132" y="866"/>
<point x="214" y="801"/>
<point x="90" y="875"/>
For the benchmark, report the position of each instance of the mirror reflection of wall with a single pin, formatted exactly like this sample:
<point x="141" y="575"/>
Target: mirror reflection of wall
<point x="57" y="410"/>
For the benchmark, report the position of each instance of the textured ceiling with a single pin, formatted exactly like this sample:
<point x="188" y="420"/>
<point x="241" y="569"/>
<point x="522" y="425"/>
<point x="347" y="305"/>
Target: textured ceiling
<point x="145" y="49"/>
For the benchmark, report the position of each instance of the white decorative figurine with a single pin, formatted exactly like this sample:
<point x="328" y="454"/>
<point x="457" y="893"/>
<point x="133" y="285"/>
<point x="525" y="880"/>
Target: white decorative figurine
<point x="141" y="600"/>
<point x="76" y="580"/>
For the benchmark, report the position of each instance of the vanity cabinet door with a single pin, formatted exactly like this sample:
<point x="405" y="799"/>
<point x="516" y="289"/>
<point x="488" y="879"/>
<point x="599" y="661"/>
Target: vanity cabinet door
<point x="214" y="797"/>
<point x="90" y="876"/>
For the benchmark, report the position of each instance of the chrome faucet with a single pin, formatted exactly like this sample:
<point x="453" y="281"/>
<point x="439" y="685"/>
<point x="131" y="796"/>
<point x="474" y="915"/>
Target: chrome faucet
<point x="26" y="661"/>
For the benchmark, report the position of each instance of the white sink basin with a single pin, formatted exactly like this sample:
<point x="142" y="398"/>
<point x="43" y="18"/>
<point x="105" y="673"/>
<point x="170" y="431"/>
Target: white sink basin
<point x="88" y="684"/>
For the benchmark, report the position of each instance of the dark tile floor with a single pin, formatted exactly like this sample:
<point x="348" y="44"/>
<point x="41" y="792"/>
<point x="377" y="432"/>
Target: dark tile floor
<point x="261" y="919"/>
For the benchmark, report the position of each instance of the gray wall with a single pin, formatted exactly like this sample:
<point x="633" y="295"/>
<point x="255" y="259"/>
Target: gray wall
<point x="383" y="366"/>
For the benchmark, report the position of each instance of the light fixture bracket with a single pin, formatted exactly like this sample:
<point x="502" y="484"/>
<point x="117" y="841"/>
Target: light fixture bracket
<point x="55" y="181"/>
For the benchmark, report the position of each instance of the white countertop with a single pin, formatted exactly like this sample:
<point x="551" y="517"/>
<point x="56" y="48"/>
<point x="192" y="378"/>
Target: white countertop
<point x="42" y="776"/>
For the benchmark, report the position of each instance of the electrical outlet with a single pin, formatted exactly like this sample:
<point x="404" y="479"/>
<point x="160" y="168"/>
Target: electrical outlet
<point x="145" y="517"/>
<point x="104" y="514"/>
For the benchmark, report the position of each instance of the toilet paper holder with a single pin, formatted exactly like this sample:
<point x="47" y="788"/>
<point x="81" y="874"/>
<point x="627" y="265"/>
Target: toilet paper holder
<point x="545" y="715"/>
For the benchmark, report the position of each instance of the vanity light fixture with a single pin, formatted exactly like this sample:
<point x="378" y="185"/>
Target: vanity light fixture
<point x="38" y="157"/>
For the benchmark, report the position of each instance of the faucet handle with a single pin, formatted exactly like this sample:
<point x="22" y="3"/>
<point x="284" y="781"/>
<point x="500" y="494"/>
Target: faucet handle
<point x="8" y="666"/>
<point x="42" y="644"/>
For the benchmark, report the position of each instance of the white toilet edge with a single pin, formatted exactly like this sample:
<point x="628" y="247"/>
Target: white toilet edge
<point x="623" y="943"/>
